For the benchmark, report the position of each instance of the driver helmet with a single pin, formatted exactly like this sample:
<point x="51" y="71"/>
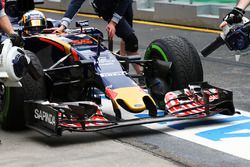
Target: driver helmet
<point x="34" y="22"/>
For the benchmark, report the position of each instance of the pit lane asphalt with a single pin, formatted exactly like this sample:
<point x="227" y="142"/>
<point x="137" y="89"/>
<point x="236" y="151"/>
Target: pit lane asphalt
<point x="136" y="145"/>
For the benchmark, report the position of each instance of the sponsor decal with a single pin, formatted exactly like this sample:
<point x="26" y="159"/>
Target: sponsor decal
<point x="44" y="116"/>
<point x="112" y="74"/>
<point x="81" y="42"/>
<point x="105" y="61"/>
<point x="54" y="0"/>
<point x="138" y="105"/>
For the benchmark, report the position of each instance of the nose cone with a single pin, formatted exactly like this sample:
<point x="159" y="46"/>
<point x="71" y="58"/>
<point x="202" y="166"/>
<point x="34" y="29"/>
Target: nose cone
<point x="131" y="98"/>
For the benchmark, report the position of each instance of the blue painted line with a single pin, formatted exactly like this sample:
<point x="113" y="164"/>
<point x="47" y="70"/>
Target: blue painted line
<point x="180" y="126"/>
<point x="209" y="121"/>
<point x="159" y="113"/>
<point x="226" y="132"/>
<point x="214" y="134"/>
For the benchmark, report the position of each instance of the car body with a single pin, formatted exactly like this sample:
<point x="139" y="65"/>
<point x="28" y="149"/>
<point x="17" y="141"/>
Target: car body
<point x="77" y="70"/>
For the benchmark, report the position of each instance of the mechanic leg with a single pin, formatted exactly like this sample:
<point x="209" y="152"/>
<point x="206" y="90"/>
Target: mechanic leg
<point x="131" y="48"/>
<point x="122" y="48"/>
<point x="136" y="66"/>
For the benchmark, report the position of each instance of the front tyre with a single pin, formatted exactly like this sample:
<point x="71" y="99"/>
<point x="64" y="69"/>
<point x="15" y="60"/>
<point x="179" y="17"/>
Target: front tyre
<point x="186" y="66"/>
<point x="12" y="98"/>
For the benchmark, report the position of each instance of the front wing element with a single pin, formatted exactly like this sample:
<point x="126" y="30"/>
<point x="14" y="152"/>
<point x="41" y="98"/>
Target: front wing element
<point x="53" y="118"/>
<point x="199" y="99"/>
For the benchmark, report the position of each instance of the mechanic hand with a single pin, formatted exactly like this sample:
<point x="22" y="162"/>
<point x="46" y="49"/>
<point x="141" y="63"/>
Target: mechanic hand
<point x="111" y="29"/>
<point x="59" y="29"/>
<point x="16" y="40"/>
<point x="233" y="17"/>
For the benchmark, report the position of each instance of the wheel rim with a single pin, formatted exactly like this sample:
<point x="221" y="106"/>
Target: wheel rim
<point x="155" y="52"/>
<point x="159" y="51"/>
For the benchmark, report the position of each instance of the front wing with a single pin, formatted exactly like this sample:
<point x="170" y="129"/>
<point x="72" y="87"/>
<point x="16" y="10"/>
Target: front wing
<point x="196" y="102"/>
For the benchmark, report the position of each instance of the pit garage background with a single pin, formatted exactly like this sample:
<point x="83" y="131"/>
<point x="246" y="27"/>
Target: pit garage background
<point x="197" y="13"/>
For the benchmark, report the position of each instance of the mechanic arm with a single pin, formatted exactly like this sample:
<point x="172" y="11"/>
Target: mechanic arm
<point x="117" y="16"/>
<point x="235" y="16"/>
<point x="242" y="4"/>
<point x="120" y="10"/>
<point x="5" y="24"/>
<point x="72" y="10"/>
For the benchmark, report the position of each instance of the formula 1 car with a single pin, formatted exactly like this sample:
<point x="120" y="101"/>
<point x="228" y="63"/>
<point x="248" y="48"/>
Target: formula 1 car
<point x="76" y="66"/>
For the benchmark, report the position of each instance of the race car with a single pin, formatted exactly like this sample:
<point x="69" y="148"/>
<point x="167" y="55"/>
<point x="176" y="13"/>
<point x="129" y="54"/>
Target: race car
<point x="78" y="71"/>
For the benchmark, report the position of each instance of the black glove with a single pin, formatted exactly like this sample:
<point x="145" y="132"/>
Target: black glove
<point x="235" y="16"/>
<point x="16" y="40"/>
